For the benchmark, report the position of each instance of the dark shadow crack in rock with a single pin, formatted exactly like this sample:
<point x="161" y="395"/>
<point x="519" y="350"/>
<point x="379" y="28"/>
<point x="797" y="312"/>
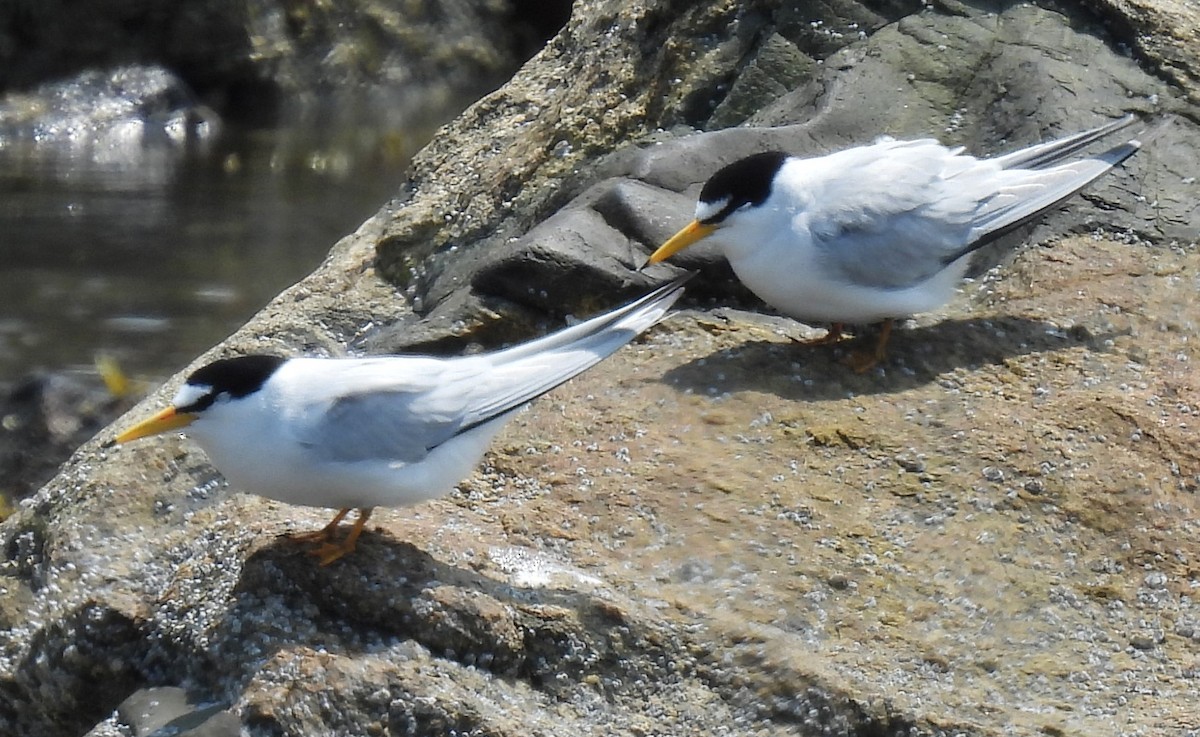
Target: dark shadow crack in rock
<point x="76" y="670"/>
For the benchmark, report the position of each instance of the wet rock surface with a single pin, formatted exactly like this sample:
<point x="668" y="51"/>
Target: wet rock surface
<point x="115" y="112"/>
<point x="717" y="531"/>
<point x="43" y="418"/>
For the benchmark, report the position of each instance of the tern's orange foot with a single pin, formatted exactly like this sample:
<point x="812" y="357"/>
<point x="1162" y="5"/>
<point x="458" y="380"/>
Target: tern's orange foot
<point x="314" y="537"/>
<point x="863" y="361"/>
<point x="860" y="362"/>
<point x="326" y="550"/>
<point x="323" y="535"/>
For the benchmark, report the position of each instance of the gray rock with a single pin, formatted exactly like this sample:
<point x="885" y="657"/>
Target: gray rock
<point x="248" y="52"/>
<point x="165" y="711"/>
<point x="776" y="69"/>
<point x="928" y="74"/>
<point x="126" y="109"/>
<point x="136" y="122"/>
<point x="43" y="418"/>
<point x="149" y="710"/>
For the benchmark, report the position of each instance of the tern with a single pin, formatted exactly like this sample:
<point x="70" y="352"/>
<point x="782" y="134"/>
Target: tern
<point x="878" y="232"/>
<point x="359" y="433"/>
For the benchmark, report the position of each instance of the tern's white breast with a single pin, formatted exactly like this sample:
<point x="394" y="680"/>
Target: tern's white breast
<point x="250" y="443"/>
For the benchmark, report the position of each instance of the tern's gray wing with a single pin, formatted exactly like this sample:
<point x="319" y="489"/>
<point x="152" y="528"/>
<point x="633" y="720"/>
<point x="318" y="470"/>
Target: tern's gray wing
<point x="1027" y="194"/>
<point x="394" y="408"/>
<point x="529" y="370"/>
<point x="400" y="407"/>
<point x="1042" y="155"/>
<point x="926" y="210"/>
<point x="888" y="219"/>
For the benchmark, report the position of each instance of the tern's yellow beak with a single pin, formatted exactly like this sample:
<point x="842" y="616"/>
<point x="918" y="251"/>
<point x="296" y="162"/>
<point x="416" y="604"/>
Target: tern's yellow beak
<point x="691" y="233"/>
<point x="166" y="420"/>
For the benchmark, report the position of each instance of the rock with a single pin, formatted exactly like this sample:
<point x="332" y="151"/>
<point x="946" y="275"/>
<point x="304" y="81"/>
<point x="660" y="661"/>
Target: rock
<point x="713" y="531"/>
<point x="133" y="121"/>
<point x="907" y="79"/>
<point x="43" y="418"/>
<point x="126" y="109"/>
<point x="1162" y="33"/>
<point x="167" y="710"/>
<point x="250" y="55"/>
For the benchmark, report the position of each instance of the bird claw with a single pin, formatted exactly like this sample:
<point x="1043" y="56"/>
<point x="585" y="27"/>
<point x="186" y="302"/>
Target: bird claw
<point x="324" y="548"/>
<point x="323" y="535"/>
<point x="860" y="362"/>
<point x="314" y="537"/>
<point x="328" y="552"/>
<point x="863" y="361"/>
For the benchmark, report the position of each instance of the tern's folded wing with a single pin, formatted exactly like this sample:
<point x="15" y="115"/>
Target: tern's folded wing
<point x="525" y="372"/>
<point x="924" y="208"/>
<point x="393" y="408"/>
<point x="888" y="219"/>
<point x="398" y="408"/>
<point x="1042" y="155"/>
<point x="1028" y="193"/>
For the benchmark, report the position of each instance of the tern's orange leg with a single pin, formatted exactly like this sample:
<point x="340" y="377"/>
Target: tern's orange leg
<point x="327" y="552"/>
<point x="323" y="535"/>
<point x="864" y="361"/>
<point x="833" y="335"/>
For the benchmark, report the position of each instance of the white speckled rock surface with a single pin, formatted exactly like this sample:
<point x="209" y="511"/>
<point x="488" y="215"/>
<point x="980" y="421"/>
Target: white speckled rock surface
<point x="714" y="532"/>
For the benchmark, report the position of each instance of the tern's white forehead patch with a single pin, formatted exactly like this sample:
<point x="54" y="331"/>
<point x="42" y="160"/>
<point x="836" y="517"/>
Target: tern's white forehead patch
<point x="189" y="394"/>
<point x="706" y="210"/>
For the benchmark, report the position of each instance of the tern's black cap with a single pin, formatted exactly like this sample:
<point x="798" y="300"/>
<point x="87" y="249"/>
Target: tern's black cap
<point x="234" y="377"/>
<point x="744" y="182"/>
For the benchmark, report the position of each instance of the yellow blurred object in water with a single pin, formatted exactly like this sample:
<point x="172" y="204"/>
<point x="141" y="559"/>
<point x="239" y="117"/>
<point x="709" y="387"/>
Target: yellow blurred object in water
<point x="117" y="381"/>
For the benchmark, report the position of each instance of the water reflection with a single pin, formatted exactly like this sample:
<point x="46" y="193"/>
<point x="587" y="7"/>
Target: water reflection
<point x="154" y="259"/>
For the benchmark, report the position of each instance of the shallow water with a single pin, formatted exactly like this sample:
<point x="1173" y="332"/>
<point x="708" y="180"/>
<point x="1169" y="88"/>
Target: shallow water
<point x="155" y="256"/>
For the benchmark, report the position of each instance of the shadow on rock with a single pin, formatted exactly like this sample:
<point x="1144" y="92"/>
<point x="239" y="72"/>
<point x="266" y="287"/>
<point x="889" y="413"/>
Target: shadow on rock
<point x="389" y="589"/>
<point x="916" y="356"/>
<point x="386" y="586"/>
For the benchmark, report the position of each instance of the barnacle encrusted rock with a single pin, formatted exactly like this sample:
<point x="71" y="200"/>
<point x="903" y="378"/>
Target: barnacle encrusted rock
<point x="716" y="531"/>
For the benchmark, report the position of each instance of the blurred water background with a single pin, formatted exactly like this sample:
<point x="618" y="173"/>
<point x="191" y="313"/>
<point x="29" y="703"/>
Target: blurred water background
<point x="155" y="257"/>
